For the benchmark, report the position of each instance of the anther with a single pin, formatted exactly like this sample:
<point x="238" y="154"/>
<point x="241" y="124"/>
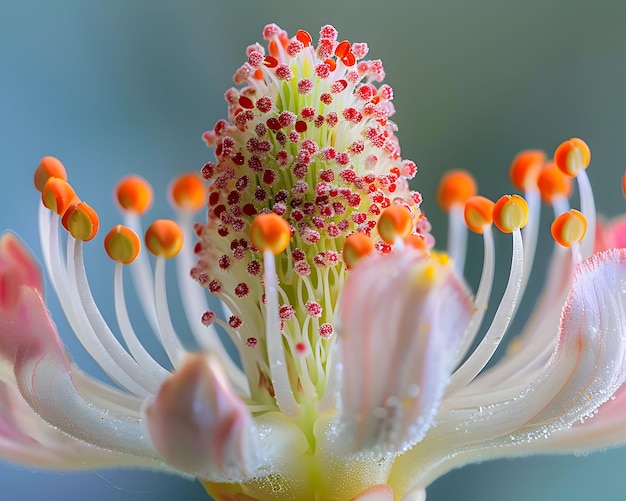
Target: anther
<point x="57" y="195"/>
<point x="416" y="242"/>
<point x="394" y="222"/>
<point x="478" y="213"/>
<point x="553" y="183"/>
<point x="572" y="156"/>
<point x="82" y="221"/>
<point x="510" y="213"/>
<point x="455" y="188"/>
<point x="569" y="227"/>
<point x="525" y="168"/>
<point x="270" y="232"/>
<point x="164" y="238"/>
<point x="356" y="247"/>
<point x="188" y="192"/>
<point x="122" y="244"/>
<point x="624" y="184"/>
<point x="304" y="37"/>
<point x="48" y="167"/>
<point x="134" y="194"/>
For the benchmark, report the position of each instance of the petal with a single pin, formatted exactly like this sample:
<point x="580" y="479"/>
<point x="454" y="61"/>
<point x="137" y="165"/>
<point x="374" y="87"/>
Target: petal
<point x="28" y="440"/>
<point x="380" y="492"/>
<point x="200" y="425"/>
<point x="17" y="266"/>
<point x="41" y="369"/>
<point x="611" y="235"/>
<point x="587" y="366"/>
<point x="403" y="318"/>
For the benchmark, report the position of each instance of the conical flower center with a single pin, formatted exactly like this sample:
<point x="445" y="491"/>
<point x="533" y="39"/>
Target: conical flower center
<point x="308" y="137"/>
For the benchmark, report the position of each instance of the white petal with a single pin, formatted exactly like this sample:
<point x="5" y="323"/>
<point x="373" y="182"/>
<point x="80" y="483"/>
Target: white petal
<point x="403" y="318"/>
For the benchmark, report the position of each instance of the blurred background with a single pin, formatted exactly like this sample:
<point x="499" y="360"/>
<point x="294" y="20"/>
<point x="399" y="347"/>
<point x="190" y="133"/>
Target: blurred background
<point x="117" y="86"/>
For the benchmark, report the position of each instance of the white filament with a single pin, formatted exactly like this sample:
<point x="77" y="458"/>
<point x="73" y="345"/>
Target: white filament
<point x="457" y="237"/>
<point x="274" y="338"/>
<point x="499" y="325"/>
<point x="588" y="208"/>
<point x="167" y="333"/>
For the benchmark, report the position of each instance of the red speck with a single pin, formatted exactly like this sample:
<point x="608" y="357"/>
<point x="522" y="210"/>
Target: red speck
<point x="326" y="330"/>
<point x="338" y="86"/>
<point x="270" y="61"/>
<point x="242" y="290"/>
<point x="251" y="342"/>
<point x="218" y="210"/>
<point x="283" y="72"/>
<point x="264" y="104"/>
<point x="327" y="175"/>
<point x="208" y="318"/>
<point x="239" y="159"/>
<point x="269" y="176"/>
<point x="246" y="102"/>
<point x="294" y="47"/>
<point x="286" y="312"/>
<point x="360" y="49"/>
<point x="273" y="124"/>
<point x="235" y="321"/>
<point x="255" y="164"/>
<point x="233" y="198"/>
<point x="352" y="115"/>
<point x="323" y="70"/>
<point x="342" y="158"/>
<point x="260" y="195"/>
<point x="302" y="268"/>
<point x="305" y="86"/>
<point x="215" y="287"/>
<point x="326" y="98"/>
<point x="249" y="210"/>
<point x="324" y="48"/>
<point x="298" y="254"/>
<point x="301" y="348"/>
<point x="307" y="113"/>
<point x="286" y="118"/>
<point x="214" y="197"/>
<point x="255" y="58"/>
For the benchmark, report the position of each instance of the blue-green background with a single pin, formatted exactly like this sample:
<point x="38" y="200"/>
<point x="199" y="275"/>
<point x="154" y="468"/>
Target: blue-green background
<point x="121" y="85"/>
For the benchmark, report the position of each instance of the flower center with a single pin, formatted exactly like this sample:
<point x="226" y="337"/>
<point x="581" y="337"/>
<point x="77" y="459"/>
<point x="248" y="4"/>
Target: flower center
<point x="308" y="137"/>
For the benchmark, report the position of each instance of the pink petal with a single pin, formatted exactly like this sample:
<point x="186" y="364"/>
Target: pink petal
<point x="30" y="346"/>
<point x="28" y="440"/>
<point x="611" y="234"/>
<point x="199" y="425"/>
<point x="381" y="492"/>
<point x="403" y="318"/>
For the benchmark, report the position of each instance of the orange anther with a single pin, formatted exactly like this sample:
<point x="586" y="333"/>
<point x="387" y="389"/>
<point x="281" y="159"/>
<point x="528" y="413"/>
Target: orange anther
<point x="304" y="37"/>
<point x="525" y="168"/>
<point x="553" y="183"/>
<point x="48" y="167"/>
<point x="417" y="242"/>
<point x="122" y="244"/>
<point x="188" y="192"/>
<point x="356" y="247"/>
<point x="394" y="222"/>
<point x="510" y="213"/>
<point x="572" y="156"/>
<point x="624" y="184"/>
<point x="331" y="63"/>
<point x="164" y="238"/>
<point x="57" y="195"/>
<point x="134" y="194"/>
<point x="81" y="221"/>
<point x="270" y="232"/>
<point x="569" y="227"/>
<point x="342" y="49"/>
<point x="478" y="213"/>
<point x="455" y="188"/>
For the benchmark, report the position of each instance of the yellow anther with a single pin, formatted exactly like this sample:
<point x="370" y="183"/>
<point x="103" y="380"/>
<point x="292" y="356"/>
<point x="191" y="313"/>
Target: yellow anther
<point x="478" y="213"/>
<point x="553" y="183"/>
<point x="48" y="167"/>
<point x="134" y="194"/>
<point x="525" y="168"/>
<point x="572" y="156"/>
<point x="569" y="227"/>
<point x="81" y="221"/>
<point x="394" y="222"/>
<point x="455" y="188"/>
<point x="57" y="195"/>
<point x="122" y="244"/>
<point x="270" y="232"/>
<point x="188" y="192"/>
<point x="164" y="238"/>
<point x="417" y="242"/>
<point x="356" y="246"/>
<point x="510" y="213"/>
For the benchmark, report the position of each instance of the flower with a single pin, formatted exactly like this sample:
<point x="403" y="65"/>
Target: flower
<point x="357" y="377"/>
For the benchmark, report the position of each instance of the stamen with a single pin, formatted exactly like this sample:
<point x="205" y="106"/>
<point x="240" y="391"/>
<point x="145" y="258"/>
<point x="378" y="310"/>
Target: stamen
<point x="122" y="244"/>
<point x="356" y="247"/>
<point x="394" y="222"/>
<point x="454" y="189"/>
<point x="164" y="239"/>
<point x="270" y="234"/>
<point x="48" y="167"/>
<point x="57" y="195"/>
<point x="188" y="192"/>
<point x="478" y="213"/>
<point x="569" y="227"/>
<point x="525" y="169"/>
<point x="81" y="221"/>
<point x="134" y="194"/>
<point x="573" y="157"/>
<point x="552" y="183"/>
<point x="510" y="213"/>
